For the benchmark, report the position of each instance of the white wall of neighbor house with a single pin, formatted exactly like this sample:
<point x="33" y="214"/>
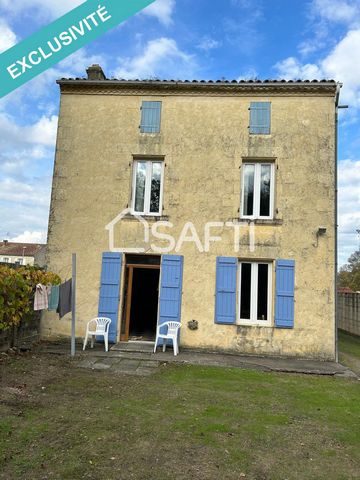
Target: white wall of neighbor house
<point x="203" y="142"/>
<point x="16" y="259"/>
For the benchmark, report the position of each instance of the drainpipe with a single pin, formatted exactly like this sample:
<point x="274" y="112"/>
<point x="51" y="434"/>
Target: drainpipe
<point x="337" y="106"/>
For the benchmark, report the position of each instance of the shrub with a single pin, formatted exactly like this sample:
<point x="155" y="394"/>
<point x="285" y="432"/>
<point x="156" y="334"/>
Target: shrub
<point x="17" y="288"/>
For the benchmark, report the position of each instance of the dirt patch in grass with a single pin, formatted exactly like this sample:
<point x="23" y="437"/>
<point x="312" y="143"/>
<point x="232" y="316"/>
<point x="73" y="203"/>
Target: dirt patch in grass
<point x="61" y="422"/>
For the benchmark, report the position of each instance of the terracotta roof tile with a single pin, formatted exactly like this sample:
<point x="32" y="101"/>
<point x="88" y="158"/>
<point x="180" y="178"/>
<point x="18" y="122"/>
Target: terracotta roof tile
<point x="17" y="249"/>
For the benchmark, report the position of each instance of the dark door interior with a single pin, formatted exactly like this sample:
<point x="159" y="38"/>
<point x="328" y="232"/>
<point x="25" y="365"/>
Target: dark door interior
<point x="144" y="303"/>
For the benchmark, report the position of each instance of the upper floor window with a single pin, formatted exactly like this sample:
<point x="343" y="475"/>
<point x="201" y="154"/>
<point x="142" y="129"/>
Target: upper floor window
<point x="150" y="117"/>
<point x="257" y="190"/>
<point x="260" y="116"/>
<point x="147" y="187"/>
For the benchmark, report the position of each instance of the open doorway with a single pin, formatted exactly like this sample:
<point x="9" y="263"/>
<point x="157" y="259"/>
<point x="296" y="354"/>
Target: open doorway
<point x="144" y="304"/>
<point x="141" y="292"/>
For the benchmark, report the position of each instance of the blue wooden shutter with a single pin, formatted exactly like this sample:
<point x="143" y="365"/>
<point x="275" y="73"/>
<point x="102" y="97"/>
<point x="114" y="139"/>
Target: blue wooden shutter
<point x="150" y="117"/>
<point x="260" y="113"/>
<point x="170" y="289"/>
<point x="110" y="290"/>
<point x="285" y="285"/>
<point x="225" y="296"/>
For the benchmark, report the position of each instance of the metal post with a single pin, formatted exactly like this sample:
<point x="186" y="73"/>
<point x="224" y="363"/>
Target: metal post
<point x="73" y="304"/>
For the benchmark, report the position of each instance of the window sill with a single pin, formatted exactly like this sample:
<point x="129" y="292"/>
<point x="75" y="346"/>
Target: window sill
<point x="262" y="325"/>
<point x="153" y="134"/>
<point x="260" y="134"/>
<point x="261" y="221"/>
<point x="148" y="218"/>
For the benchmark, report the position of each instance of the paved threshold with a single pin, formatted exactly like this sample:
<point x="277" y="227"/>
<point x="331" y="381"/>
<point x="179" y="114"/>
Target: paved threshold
<point x="137" y="358"/>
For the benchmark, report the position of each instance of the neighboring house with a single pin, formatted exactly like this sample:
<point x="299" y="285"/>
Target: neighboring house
<point x="260" y="153"/>
<point x="22" y="253"/>
<point x="345" y="290"/>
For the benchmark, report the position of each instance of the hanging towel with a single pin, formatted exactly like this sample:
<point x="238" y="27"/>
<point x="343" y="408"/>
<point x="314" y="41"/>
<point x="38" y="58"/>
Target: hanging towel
<point x="54" y="297"/>
<point x="41" y="297"/>
<point x="64" y="306"/>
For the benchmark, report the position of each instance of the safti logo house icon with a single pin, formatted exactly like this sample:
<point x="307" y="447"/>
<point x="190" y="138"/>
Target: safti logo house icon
<point x="110" y="227"/>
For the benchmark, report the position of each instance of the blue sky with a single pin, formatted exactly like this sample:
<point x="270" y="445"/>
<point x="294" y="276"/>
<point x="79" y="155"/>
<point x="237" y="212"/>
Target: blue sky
<point x="179" y="39"/>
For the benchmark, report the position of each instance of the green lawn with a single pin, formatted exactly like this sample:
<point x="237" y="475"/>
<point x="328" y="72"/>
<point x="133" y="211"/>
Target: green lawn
<point x="61" y="422"/>
<point x="349" y="351"/>
<point x="349" y="344"/>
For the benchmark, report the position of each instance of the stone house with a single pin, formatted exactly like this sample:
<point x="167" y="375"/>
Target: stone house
<point x="208" y="202"/>
<point x="16" y="253"/>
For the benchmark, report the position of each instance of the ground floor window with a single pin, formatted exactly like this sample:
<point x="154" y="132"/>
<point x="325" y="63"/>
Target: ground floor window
<point x="255" y="293"/>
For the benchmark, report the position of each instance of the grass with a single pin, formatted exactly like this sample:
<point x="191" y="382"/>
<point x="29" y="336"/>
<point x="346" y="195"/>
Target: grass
<point x="349" y="344"/>
<point x="61" y="422"/>
<point x="349" y="351"/>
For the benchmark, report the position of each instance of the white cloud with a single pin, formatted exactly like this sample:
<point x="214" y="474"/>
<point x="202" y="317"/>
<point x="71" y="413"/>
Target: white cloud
<point x="162" y="10"/>
<point x="161" y="58"/>
<point x="36" y="192"/>
<point x="44" y="8"/>
<point x="30" y="237"/>
<point x="14" y="137"/>
<point x="339" y="64"/>
<point x="207" y="43"/>
<point x="349" y="207"/>
<point x="322" y="16"/>
<point x="7" y="36"/>
<point x="18" y="218"/>
<point x="249" y="74"/>
<point x="292" y="68"/>
<point x="341" y="11"/>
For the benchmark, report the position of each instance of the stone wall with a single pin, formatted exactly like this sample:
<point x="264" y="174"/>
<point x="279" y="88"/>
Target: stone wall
<point x="204" y="141"/>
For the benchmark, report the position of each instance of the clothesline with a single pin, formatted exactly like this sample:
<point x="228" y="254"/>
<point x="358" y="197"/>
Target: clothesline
<point x="54" y="298"/>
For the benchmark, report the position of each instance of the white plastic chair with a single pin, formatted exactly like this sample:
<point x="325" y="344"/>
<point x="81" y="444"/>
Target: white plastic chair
<point x="171" y="334"/>
<point x="97" y="326"/>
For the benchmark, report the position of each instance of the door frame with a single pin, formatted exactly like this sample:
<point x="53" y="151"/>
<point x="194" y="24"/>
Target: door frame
<point x="124" y="337"/>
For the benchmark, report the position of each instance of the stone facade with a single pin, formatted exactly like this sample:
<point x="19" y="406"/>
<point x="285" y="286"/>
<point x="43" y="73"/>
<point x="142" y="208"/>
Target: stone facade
<point x="204" y="140"/>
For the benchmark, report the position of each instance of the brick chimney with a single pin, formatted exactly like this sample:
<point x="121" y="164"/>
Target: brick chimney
<point x="95" y="72"/>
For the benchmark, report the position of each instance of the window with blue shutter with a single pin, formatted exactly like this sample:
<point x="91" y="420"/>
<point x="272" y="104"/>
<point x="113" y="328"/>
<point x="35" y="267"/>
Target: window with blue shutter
<point x="285" y="286"/>
<point x="260" y="114"/>
<point x="110" y="291"/>
<point x="225" y="295"/>
<point x="150" y="117"/>
<point x="170" y="290"/>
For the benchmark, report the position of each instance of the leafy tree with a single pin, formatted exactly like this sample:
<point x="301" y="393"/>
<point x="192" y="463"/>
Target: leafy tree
<point x="349" y="275"/>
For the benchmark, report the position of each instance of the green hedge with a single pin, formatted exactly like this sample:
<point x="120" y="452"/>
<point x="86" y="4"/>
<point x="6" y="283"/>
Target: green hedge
<point x="17" y="289"/>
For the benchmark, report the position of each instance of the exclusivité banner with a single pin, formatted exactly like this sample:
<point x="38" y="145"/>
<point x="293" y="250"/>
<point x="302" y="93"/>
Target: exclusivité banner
<point x="61" y="38"/>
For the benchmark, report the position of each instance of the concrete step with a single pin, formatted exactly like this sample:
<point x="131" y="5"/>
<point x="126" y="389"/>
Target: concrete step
<point x="139" y="347"/>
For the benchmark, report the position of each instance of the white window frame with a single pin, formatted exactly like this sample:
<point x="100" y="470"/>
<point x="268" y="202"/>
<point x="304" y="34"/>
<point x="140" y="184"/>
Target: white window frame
<point x="6" y="259"/>
<point x="254" y="295"/>
<point x="149" y="164"/>
<point x="257" y="180"/>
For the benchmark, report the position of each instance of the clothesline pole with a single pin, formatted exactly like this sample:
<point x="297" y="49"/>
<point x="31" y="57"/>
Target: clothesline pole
<point x="73" y="304"/>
